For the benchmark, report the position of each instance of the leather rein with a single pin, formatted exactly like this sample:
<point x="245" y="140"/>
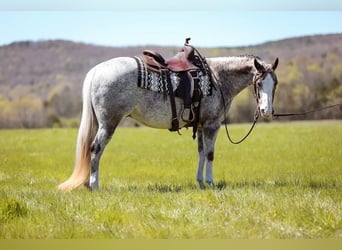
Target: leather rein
<point x="257" y="79"/>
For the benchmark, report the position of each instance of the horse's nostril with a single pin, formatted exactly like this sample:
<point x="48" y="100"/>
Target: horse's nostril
<point x="262" y="111"/>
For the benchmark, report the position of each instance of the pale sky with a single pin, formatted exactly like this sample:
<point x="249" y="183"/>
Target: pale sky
<point x="134" y="22"/>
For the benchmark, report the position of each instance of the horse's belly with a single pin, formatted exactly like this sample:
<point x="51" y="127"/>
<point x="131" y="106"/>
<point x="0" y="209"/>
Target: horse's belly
<point x="153" y="110"/>
<point x="152" y="118"/>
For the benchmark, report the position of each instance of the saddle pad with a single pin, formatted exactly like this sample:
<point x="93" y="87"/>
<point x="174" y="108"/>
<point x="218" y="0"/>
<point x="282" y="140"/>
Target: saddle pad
<point x="157" y="83"/>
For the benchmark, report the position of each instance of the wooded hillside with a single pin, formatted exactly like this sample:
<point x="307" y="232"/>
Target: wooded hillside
<point x="41" y="82"/>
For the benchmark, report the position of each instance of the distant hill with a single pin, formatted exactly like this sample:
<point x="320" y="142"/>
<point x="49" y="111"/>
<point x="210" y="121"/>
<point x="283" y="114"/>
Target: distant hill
<point x="46" y="77"/>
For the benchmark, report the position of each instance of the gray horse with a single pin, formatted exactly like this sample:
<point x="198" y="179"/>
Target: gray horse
<point x="110" y="93"/>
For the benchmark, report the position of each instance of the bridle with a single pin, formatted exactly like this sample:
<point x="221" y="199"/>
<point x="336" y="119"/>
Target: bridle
<point x="257" y="82"/>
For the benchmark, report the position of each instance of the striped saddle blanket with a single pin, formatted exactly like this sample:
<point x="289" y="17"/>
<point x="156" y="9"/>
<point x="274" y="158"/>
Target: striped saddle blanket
<point x="156" y="82"/>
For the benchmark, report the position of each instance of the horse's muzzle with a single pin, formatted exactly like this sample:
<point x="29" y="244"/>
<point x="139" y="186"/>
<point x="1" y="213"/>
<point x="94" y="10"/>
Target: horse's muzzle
<point x="266" y="114"/>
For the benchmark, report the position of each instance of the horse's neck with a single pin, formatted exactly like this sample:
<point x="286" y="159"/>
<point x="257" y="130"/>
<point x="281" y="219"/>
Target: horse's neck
<point x="233" y="73"/>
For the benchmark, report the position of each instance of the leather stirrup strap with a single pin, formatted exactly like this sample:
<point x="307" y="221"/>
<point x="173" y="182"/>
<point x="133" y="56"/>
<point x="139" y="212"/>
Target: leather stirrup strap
<point x="174" y="121"/>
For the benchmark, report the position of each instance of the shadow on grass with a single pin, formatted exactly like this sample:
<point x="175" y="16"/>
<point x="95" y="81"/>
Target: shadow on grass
<point x="313" y="184"/>
<point x="223" y="185"/>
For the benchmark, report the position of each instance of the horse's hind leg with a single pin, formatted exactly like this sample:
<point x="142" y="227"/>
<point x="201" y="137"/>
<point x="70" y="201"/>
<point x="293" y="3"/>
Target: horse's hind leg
<point x="103" y="136"/>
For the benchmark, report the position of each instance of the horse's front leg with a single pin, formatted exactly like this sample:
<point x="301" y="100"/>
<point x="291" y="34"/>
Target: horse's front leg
<point x="210" y="131"/>
<point x="201" y="158"/>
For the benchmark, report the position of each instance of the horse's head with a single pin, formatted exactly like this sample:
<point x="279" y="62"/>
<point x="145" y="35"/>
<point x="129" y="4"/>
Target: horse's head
<point x="265" y="82"/>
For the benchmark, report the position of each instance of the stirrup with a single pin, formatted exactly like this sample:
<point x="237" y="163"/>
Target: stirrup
<point x="191" y="114"/>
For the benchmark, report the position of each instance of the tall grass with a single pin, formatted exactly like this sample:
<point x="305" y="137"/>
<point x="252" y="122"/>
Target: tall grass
<point x="285" y="181"/>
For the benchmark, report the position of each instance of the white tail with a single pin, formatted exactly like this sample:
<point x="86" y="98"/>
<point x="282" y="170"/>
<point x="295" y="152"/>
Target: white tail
<point x="86" y="135"/>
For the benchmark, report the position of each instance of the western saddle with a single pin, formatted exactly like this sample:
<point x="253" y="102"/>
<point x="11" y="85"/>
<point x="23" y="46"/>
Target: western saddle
<point x="182" y="61"/>
<point x="185" y="62"/>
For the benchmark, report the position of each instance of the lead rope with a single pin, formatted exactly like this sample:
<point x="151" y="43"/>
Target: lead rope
<point x="307" y="112"/>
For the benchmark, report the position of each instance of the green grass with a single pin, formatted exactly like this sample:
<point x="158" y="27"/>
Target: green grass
<point x="285" y="181"/>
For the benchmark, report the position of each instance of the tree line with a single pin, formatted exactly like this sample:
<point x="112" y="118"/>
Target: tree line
<point x="41" y="82"/>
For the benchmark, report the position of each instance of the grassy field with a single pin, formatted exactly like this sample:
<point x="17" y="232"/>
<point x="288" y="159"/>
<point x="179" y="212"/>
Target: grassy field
<point x="285" y="181"/>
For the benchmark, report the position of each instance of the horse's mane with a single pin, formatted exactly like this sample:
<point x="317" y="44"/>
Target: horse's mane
<point x="237" y="63"/>
<point x="250" y="56"/>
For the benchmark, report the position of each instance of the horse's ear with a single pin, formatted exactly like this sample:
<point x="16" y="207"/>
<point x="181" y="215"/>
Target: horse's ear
<point x="275" y="64"/>
<point x="258" y="66"/>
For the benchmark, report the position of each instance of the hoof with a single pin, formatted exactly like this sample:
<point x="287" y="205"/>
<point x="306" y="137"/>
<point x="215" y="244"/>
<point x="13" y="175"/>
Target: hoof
<point x="211" y="184"/>
<point x="91" y="187"/>
<point x="201" y="184"/>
